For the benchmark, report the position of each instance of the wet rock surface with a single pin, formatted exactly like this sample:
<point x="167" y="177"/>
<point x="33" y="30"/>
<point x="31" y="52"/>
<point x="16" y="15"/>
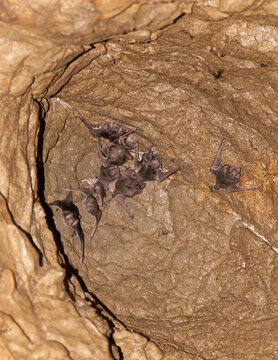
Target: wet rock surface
<point x="194" y="275"/>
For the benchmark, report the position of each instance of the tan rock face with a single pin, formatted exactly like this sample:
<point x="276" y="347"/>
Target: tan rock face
<point x="193" y="268"/>
<point x="195" y="273"/>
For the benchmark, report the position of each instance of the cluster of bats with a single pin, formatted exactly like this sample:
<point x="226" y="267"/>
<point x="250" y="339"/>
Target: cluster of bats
<point x="129" y="181"/>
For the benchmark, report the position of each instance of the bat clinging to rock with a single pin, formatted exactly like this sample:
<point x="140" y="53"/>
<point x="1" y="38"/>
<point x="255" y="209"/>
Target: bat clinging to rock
<point x="90" y="205"/>
<point x="98" y="189"/>
<point x="127" y="186"/>
<point x="71" y="218"/>
<point x="227" y="176"/>
<point x="109" y="129"/>
<point x="149" y="167"/>
<point x="130" y="142"/>
<point x="109" y="174"/>
<point x="113" y="154"/>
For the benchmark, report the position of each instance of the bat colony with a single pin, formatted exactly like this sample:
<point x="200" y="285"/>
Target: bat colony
<point x="129" y="182"/>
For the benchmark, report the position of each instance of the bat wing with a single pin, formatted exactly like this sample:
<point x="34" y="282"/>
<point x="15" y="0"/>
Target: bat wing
<point x="121" y="198"/>
<point x="217" y="162"/>
<point x="235" y="188"/>
<point x="68" y="200"/>
<point x="161" y="175"/>
<point x="98" y="217"/>
<point x="95" y="131"/>
<point x="79" y="232"/>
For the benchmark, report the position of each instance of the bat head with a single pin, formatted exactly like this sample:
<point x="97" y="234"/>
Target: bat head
<point x="116" y="127"/>
<point x="154" y="150"/>
<point x="70" y="219"/>
<point x="131" y="140"/>
<point x="150" y="154"/>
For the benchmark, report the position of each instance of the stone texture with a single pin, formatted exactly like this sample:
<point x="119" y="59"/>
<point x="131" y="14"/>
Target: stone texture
<point x="37" y="315"/>
<point x="194" y="276"/>
<point x="37" y="54"/>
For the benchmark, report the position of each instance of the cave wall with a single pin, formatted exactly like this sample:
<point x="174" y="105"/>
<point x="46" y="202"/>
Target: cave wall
<point x="206" y="289"/>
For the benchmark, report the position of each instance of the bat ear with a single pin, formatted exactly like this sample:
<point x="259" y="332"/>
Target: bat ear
<point x="68" y="200"/>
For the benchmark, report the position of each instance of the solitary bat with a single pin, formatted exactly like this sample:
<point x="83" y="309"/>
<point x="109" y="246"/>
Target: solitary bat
<point x="149" y="167"/>
<point x="90" y="205"/>
<point x="127" y="186"/>
<point x="227" y="176"/>
<point x="71" y="218"/>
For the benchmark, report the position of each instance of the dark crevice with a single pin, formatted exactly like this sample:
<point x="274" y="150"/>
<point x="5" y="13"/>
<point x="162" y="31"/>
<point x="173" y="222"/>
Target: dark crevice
<point x="173" y="22"/>
<point x="62" y="257"/>
<point x="65" y="69"/>
<point x="97" y="304"/>
<point x="41" y="183"/>
<point x="217" y="74"/>
<point x="179" y="17"/>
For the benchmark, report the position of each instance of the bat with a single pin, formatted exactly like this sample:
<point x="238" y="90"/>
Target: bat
<point x="90" y="205"/>
<point x="127" y="186"/>
<point x="227" y="176"/>
<point x="71" y="219"/>
<point x="149" y="167"/>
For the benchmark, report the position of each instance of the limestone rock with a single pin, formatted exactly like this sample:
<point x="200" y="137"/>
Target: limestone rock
<point x="195" y="275"/>
<point x="190" y="256"/>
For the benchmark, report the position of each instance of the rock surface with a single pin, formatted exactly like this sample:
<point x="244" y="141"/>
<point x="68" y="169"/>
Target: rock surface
<point x="195" y="273"/>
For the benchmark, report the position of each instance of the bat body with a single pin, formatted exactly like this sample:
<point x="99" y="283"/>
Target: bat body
<point x="71" y="218"/>
<point x="97" y="189"/>
<point x="90" y="205"/>
<point x="113" y="154"/>
<point x="127" y="186"/>
<point x="227" y="176"/>
<point x="108" y="174"/>
<point x="149" y="167"/>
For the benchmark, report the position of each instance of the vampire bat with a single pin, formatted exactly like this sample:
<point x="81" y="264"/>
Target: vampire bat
<point x="227" y="176"/>
<point x="97" y="188"/>
<point x="149" y="167"/>
<point x="127" y="186"/>
<point x="90" y="205"/>
<point x="113" y="154"/>
<point x="130" y="142"/>
<point x="108" y="174"/>
<point x="71" y="218"/>
<point x="109" y="129"/>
